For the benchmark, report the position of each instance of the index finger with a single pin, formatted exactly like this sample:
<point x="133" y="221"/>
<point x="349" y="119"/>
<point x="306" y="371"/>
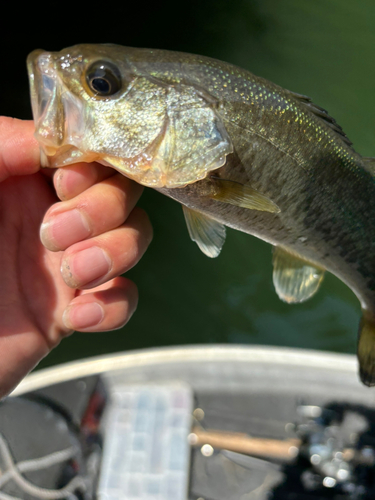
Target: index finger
<point x="19" y="150"/>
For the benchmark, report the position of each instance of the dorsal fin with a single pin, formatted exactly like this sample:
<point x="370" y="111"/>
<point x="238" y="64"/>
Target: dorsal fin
<point x="369" y="164"/>
<point x="321" y="113"/>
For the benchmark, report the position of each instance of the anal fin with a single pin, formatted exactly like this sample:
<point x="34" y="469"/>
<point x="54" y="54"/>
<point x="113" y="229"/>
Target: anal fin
<point x="208" y="234"/>
<point x="366" y="350"/>
<point x="294" y="278"/>
<point x="242" y="195"/>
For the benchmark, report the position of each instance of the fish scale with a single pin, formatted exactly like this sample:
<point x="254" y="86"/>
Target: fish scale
<point x="234" y="149"/>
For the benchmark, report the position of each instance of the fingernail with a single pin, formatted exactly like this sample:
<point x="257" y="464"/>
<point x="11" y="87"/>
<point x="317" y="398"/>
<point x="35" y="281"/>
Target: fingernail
<point x="85" y="267"/>
<point x="80" y="316"/>
<point x="64" y="229"/>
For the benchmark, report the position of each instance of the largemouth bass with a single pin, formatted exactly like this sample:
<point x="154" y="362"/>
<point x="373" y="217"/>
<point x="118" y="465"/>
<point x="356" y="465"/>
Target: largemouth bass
<point x="234" y="149"/>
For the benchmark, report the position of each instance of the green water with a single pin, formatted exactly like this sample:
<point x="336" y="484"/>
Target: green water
<point x="324" y="49"/>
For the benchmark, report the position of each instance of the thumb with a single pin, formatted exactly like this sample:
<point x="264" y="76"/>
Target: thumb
<point x="19" y="150"/>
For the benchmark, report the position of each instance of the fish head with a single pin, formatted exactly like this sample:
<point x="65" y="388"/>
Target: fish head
<point x="109" y="104"/>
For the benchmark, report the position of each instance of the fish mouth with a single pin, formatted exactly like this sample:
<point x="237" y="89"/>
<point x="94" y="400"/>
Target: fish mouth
<point x="57" y="113"/>
<point x="44" y="91"/>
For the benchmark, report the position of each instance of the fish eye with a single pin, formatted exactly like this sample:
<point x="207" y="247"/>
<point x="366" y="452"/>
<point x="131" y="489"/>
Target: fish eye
<point x="103" y="78"/>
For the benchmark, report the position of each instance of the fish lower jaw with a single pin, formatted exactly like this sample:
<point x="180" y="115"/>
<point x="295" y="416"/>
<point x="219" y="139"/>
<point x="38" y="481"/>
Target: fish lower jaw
<point x="60" y="157"/>
<point x="45" y="159"/>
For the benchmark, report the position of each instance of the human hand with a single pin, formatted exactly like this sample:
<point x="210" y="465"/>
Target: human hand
<point x="71" y="281"/>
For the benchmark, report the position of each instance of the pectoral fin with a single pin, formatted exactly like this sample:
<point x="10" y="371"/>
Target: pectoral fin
<point x="366" y="350"/>
<point x="295" y="279"/>
<point x="243" y="196"/>
<point x="208" y="234"/>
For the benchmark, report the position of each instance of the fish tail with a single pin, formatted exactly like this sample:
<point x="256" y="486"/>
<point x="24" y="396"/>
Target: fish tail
<point x="366" y="349"/>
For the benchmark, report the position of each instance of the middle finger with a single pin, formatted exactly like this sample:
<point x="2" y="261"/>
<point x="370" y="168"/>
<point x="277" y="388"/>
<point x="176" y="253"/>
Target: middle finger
<point x="98" y="260"/>
<point x="102" y="207"/>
